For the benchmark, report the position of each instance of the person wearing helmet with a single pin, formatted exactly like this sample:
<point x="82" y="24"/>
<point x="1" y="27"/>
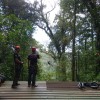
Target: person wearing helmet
<point x="18" y="66"/>
<point x="32" y="67"/>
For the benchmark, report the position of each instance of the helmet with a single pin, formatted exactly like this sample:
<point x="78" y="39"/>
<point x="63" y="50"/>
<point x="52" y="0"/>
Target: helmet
<point x="17" y="47"/>
<point x="33" y="49"/>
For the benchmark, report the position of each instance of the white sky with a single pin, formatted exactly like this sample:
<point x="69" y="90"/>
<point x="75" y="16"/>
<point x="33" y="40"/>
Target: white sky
<point x="40" y="35"/>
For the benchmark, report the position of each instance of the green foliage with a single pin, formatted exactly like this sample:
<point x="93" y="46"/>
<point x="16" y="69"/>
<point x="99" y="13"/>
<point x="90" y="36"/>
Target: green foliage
<point x="14" y="31"/>
<point x="86" y="62"/>
<point x="17" y="24"/>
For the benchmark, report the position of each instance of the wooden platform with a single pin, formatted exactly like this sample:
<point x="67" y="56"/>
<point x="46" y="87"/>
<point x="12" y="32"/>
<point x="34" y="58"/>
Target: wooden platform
<point x="42" y="92"/>
<point x="68" y="86"/>
<point x="62" y="85"/>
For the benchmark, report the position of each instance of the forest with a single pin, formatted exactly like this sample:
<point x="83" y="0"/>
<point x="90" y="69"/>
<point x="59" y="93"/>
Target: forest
<point x="74" y="51"/>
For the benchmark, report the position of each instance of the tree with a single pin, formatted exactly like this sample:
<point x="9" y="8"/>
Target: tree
<point x="93" y="7"/>
<point x="80" y="28"/>
<point x="57" y="34"/>
<point x="16" y="28"/>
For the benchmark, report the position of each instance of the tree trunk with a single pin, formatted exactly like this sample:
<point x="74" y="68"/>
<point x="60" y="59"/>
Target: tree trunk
<point x="73" y="46"/>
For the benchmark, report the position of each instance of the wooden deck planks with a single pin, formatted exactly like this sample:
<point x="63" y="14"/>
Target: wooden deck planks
<point x="42" y="93"/>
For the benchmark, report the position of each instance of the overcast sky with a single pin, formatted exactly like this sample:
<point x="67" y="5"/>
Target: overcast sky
<point x="40" y="35"/>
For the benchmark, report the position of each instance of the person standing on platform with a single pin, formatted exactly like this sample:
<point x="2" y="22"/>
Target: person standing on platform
<point x="32" y="67"/>
<point x="18" y="66"/>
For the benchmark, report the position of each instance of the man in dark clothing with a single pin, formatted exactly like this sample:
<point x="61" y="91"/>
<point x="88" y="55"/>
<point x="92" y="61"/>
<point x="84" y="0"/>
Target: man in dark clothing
<point x="32" y="67"/>
<point x="18" y="66"/>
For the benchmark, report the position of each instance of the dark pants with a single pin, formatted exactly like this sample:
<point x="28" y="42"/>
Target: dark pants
<point x="32" y="71"/>
<point x="17" y="75"/>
